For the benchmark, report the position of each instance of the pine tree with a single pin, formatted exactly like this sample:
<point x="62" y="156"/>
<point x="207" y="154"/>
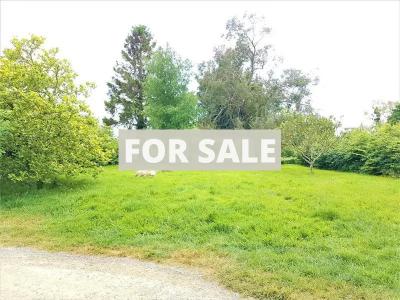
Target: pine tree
<point x="126" y="100"/>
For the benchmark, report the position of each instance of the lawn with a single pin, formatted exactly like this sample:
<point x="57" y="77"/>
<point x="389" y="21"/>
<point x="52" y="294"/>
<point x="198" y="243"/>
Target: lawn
<point x="277" y="235"/>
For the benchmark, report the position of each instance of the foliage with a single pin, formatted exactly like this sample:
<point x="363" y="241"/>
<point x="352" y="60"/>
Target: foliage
<point x="248" y="35"/>
<point x="394" y="117"/>
<point x="109" y="144"/>
<point x="126" y="97"/>
<point x="271" y="235"/>
<point x="308" y="136"/>
<point x="296" y="89"/>
<point x="238" y="88"/>
<point x="381" y="111"/>
<point x="383" y="155"/>
<point x="227" y="99"/>
<point x="375" y="151"/>
<point x="350" y="152"/>
<point x="4" y="130"/>
<point x="169" y="103"/>
<point x="46" y="130"/>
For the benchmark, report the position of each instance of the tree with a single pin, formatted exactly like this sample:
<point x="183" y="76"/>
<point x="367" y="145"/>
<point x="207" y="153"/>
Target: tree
<point x="308" y="136"/>
<point x="249" y="35"/>
<point x="169" y="103"/>
<point x="394" y="117"/>
<point x="238" y="88"/>
<point x="126" y="99"/>
<point x="224" y="91"/>
<point x="46" y="129"/>
<point x="232" y="93"/>
<point x="381" y="111"/>
<point x="295" y="88"/>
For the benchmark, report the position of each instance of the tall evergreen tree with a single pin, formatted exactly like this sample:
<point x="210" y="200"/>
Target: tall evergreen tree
<point x="126" y="100"/>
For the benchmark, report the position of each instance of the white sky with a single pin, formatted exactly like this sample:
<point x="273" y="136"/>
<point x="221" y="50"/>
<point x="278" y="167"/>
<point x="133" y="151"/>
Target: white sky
<point x="352" y="46"/>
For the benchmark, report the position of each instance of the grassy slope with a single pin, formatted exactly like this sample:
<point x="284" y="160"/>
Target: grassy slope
<point x="275" y="235"/>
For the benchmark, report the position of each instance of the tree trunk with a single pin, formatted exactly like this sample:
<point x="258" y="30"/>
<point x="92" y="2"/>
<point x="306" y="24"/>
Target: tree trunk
<point x="141" y="122"/>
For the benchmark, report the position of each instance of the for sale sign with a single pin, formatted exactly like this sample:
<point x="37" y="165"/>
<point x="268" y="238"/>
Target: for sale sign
<point x="199" y="149"/>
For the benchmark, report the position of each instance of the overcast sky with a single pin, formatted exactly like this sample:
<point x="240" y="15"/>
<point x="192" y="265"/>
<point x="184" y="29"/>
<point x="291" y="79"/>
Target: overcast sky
<point x="353" y="47"/>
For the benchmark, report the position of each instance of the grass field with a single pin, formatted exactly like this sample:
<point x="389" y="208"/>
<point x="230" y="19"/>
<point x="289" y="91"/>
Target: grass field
<point x="277" y="235"/>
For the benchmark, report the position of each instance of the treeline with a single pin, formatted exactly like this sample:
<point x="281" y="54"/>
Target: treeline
<point x="373" y="150"/>
<point x="47" y="130"/>
<point x="312" y="140"/>
<point x="240" y="87"/>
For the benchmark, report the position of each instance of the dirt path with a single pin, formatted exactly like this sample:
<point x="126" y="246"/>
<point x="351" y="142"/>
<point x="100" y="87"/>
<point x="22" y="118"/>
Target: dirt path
<point x="32" y="274"/>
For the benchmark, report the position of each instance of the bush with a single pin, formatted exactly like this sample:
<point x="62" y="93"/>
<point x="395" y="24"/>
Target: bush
<point x="349" y="154"/>
<point x="383" y="156"/>
<point x="374" y="152"/>
<point x="291" y="160"/>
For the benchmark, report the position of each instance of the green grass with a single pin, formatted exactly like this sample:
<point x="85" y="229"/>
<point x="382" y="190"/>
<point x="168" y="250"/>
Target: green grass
<point x="275" y="235"/>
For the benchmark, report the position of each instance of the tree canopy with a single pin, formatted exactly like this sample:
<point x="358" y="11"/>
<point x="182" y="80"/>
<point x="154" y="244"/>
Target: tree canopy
<point x="169" y="104"/>
<point x="46" y="129"/>
<point x="394" y="117"/>
<point x="308" y="136"/>
<point x="240" y="87"/>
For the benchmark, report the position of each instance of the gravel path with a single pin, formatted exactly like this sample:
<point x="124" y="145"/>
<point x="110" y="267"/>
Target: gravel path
<point x="32" y="274"/>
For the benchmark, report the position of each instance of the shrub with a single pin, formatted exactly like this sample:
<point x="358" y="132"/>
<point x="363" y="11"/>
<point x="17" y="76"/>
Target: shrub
<point x="375" y="151"/>
<point x="383" y="156"/>
<point x="349" y="154"/>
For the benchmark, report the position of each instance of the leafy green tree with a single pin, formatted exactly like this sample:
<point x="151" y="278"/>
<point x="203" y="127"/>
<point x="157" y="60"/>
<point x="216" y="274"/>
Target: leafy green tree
<point x="225" y="97"/>
<point x="296" y="89"/>
<point x="308" y="136"/>
<point x="169" y="102"/>
<point x="46" y="129"/>
<point x="238" y="88"/>
<point x="394" y="117"/>
<point x="126" y="98"/>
